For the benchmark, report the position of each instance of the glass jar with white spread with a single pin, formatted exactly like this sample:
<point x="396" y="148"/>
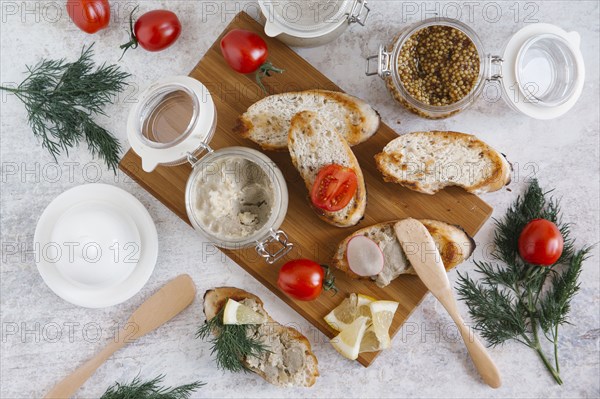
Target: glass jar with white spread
<point x="235" y="196"/>
<point x="438" y="67"/>
<point x="311" y="23"/>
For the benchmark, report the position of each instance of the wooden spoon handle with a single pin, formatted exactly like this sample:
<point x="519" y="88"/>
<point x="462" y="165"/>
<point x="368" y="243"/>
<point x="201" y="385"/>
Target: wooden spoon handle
<point x="412" y="235"/>
<point x="161" y="307"/>
<point x="479" y="354"/>
<point x="71" y="383"/>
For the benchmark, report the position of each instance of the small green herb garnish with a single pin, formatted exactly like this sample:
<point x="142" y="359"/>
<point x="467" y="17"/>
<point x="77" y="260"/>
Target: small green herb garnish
<point x="137" y="389"/>
<point x="522" y="301"/>
<point x="62" y="97"/>
<point x="230" y="343"/>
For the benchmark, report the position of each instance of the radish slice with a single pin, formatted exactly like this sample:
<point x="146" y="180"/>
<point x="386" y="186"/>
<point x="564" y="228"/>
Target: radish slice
<point x="365" y="258"/>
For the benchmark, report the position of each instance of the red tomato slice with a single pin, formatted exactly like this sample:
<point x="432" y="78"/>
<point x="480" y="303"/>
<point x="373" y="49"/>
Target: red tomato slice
<point x="333" y="188"/>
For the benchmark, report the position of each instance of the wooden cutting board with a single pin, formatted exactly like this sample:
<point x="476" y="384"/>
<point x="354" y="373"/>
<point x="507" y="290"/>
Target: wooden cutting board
<point x="233" y="93"/>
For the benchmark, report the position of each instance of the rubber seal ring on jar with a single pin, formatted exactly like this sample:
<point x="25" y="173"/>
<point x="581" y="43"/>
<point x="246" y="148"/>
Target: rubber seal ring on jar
<point x="543" y="71"/>
<point x="276" y="240"/>
<point x="272" y="30"/>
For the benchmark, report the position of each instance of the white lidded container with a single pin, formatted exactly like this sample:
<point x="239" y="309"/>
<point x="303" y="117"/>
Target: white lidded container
<point x="235" y="196"/>
<point x="540" y="71"/>
<point x="311" y="23"/>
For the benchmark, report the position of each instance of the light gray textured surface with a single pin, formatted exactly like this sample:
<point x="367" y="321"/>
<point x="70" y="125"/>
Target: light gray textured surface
<point x="427" y="360"/>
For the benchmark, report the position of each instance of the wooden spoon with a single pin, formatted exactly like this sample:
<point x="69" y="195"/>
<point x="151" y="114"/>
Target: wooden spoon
<point x="161" y="307"/>
<point x="420" y="250"/>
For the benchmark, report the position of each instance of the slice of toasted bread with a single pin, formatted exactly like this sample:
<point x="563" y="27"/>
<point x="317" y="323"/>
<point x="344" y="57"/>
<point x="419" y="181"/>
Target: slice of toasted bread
<point x="453" y="243"/>
<point x="313" y="144"/>
<point x="267" y="121"/>
<point x="290" y="360"/>
<point x="430" y="161"/>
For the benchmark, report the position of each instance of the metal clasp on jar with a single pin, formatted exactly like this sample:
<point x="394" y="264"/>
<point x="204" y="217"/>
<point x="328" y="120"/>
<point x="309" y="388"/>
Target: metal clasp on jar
<point x="357" y="9"/>
<point x="275" y="239"/>
<point x="494" y="67"/>
<point x="193" y="159"/>
<point x="383" y="63"/>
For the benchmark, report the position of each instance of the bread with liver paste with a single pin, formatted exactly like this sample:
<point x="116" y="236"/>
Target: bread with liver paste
<point x="289" y="360"/>
<point x="454" y="245"/>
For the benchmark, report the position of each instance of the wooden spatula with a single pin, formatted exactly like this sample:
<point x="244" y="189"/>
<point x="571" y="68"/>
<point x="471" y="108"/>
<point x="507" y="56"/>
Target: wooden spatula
<point x="424" y="257"/>
<point x="161" y="307"/>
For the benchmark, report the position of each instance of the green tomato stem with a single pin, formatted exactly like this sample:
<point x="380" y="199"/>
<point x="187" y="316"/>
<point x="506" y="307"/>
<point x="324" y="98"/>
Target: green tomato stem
<point x="329" y="280"/>
<point x="265" y="70"/>
<point x="133" y="42"/>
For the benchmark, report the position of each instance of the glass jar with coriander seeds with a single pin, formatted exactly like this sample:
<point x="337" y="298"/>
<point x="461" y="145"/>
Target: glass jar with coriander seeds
<point x="438" y="67"/>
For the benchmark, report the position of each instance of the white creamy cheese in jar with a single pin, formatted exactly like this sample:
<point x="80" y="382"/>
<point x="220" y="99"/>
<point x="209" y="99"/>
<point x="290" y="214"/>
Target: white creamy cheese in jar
<point x="233" y="198"/>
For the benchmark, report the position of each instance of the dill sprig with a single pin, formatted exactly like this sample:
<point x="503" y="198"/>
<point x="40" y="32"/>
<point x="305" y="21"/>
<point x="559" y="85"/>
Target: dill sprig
<point x="517" y="300"/>
<point x="137" y="389"/>
<point x="231" y="343"/>
<point x="61" y="99"/>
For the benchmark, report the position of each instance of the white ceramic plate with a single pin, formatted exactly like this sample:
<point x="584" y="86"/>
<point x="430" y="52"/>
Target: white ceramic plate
<point x="89" y="296"/>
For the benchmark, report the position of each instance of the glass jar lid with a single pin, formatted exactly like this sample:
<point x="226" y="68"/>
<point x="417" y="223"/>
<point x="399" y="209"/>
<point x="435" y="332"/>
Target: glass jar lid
<point x="542" y="71"/>
<point x="175" y="117"/>
<point x="308" y="18"/>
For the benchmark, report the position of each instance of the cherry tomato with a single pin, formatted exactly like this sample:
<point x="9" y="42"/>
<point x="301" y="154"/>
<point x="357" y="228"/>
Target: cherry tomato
<point x="541" y="242"/>
<point x="89" y="15"/>
<point x="154" y="31"/>
<point x="243" y="50"/>
<point x="304" y="279"/>
<point x="246" y="52"/>
<point x="333" y="188"/>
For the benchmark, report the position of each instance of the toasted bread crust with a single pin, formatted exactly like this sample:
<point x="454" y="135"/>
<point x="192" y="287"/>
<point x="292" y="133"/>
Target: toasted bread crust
<point x="355" y="210"/>
<point x="357" y="130"/>
<point x="390" y="161"/>
<point x="215" y="299"/>
<point x="243" y="126"/>
<point x="454" y="244"/>
<point x="355" y="134"/>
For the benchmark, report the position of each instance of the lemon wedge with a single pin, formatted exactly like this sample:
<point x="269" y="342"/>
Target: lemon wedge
<point x="363" y="305"/>
<point x="370" y="342"/>
<point x="347" y="343"/>
<point x="237" y="313"/>
<point x="382" y="314"/>
<point x="345" y="313"/>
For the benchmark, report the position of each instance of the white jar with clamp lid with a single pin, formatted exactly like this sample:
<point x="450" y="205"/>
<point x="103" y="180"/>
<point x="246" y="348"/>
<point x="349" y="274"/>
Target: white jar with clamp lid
<point x="235" y="196"/>
<point x="540" y="71"/>
<point x="311" y="23"/>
